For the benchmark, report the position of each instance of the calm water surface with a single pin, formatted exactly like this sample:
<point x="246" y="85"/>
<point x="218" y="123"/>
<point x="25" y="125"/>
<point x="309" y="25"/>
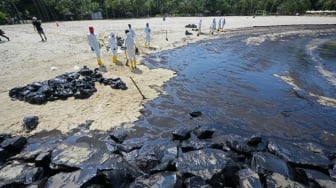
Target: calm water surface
<point x="284" y="87"/>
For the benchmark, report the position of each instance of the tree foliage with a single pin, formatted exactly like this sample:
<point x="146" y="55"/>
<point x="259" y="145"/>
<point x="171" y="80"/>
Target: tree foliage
<point x="82" y="9"/>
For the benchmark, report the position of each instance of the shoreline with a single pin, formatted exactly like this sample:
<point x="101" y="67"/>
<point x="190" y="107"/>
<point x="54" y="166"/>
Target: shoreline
<point x="66" y="50"/>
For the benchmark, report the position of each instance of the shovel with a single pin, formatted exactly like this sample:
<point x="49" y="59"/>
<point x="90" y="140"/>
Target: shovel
<point x="143" y="96"/>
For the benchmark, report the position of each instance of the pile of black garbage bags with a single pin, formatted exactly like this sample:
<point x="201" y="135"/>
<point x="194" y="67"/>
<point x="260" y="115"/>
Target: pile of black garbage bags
<point x="79" y="84"/>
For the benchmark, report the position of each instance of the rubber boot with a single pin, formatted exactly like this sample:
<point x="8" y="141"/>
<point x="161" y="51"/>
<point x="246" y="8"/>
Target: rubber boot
<point x="131" y="64"/>
<point x="134" y="64"/>
<point x="115" y="59"/>
<point x="100" y="62"/>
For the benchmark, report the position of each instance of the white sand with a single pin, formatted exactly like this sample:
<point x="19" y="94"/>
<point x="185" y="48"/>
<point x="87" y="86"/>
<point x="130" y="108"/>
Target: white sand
<point x="25" y="59"/>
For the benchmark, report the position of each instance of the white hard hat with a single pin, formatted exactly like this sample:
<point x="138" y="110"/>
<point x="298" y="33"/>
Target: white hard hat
<point x="34" y="18"/>
<point x="112" y="34"/>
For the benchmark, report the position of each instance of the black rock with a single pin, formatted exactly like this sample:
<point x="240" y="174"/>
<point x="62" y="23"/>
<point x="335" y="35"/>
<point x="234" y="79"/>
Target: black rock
<point x="116" y="178"/>
<point x="238" y="144"/>
<point x="154" y="152"/>
<point x="248" y="178"/>
<point x="204" y="132"/>
<point x="69" y="157"/>
<point x="320" y="178"/>
<point x="14" y="145"/>
<point x="195" y="181"/>
<point x="181" y="133"/>
<point x="266" y="163"/>
<point x="297" y="155"/>
<point x="18" y="174"/>
<point x="4" y="137"/>
<point x="163" y="179"/>
<point x="205" y="163"/>
<point x="332" y="171"/>
<point x="4" y="155"/>
<point x="254" y="140"/>
<point x="195" y="114"/>
<point x="117" y="162"/>
<point x="43" y="159"/>
<point x="278" y="180"/>
<point x="70" y="179"/>
<point x="118" y="135"/>
<point x="190" y="145"/>
<point x="318" y="148"/>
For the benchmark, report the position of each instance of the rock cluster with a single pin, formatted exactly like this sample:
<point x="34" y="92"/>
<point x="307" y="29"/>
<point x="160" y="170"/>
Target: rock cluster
<point x="80" y="84"/>
<point x="191" y="157"/>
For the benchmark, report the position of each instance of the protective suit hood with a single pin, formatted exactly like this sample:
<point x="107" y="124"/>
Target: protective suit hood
<point x="91" y="30"/>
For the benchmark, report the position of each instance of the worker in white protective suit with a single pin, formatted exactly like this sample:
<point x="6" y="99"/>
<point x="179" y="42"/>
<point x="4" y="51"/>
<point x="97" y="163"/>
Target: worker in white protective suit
<point x="213" y="26"/>
<point x="219" y="24"/>
<point x="147" y="33"/>
<point x="130" y="48"/>
<point x="114" y="47"/>
<point x="94" y="44"/>
<point x="199" y="28"/>
<point x="223" y="23"/>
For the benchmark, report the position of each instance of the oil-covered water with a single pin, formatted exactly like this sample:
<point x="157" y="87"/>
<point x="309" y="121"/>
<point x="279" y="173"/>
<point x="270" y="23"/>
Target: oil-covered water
<point x="278" y="86"/>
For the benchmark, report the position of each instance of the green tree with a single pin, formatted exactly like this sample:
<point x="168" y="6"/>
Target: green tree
<point x="3" y="18"/>
<point x="294" y="6"/>
<point x="82" y="9"/>
<point x="327" y="4"/>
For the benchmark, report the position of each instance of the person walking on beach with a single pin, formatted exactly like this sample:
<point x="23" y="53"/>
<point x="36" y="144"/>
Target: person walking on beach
<point x="37" y="24"/>
<point x="94" y="44"/>
<point x="130" y="49"/>
<point x="147" y="33"/>
<point x="2" y="33"/>
<point x="199" y="28"/>
<point x="223" y="23"/>
<point x="114" y="47"/>
<point x="219" y="24"/>
<point x="132" y="33"/>
<point x="213" y="26"/>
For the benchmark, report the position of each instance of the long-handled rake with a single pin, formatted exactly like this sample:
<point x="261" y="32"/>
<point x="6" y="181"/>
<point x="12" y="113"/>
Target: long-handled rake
<point x="166" y="35"/>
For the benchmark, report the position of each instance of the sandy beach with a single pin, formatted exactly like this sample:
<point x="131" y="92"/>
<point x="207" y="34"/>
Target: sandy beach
<point x="25" y="59"/>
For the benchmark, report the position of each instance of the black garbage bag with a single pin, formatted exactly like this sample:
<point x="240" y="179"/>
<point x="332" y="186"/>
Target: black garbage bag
<point x="79" y="84"/>
<point x="36" y="98"/>
<point x="85" y="71"/>
<point x="17" y="93"/>
<point x="118" y="84"/>
<point x="30" y="122"/>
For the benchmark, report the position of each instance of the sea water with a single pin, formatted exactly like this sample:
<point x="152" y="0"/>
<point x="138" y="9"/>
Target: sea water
<point x="283" y="87"/>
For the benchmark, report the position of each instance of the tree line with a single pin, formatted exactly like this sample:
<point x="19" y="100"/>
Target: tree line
<point x="51" y="10"/>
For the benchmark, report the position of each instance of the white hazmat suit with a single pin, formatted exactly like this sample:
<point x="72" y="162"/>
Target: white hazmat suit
<point x="94" y="44"/>
<point x="223" y="23"/>
<point x="213" y="26"/>
<point x="130" y="49"/>
<point x="199" y="27"/>
<point x="147" y="33"/>
<point x="114" y="47"/>
<point x="219" y="24"/>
